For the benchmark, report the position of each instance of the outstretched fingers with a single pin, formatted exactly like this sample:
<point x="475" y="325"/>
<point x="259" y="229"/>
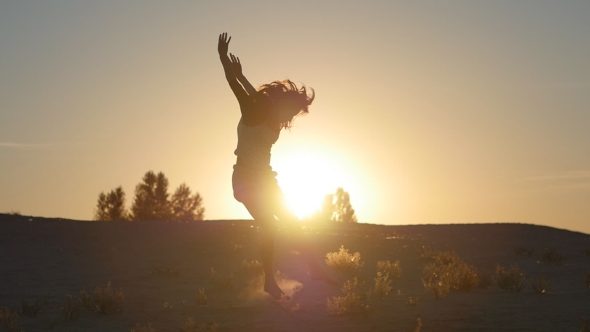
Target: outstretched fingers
<point x="223" y="43"/>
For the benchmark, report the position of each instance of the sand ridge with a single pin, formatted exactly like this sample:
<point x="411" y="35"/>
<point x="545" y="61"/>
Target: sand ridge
<point x="161" y="266"/>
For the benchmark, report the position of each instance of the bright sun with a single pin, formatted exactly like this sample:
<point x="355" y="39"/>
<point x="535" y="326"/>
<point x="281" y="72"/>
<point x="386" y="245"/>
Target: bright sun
<point x="307" y="175"/>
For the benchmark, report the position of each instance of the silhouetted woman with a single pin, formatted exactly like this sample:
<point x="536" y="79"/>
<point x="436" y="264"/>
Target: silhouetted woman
<point x="265" y="112"/>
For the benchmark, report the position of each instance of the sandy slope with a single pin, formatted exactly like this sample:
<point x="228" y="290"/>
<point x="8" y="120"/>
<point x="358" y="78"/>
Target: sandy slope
<point x="48" y="258"/>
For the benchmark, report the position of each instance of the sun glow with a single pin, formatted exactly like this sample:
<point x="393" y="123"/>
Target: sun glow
<point x="307" y="175"/>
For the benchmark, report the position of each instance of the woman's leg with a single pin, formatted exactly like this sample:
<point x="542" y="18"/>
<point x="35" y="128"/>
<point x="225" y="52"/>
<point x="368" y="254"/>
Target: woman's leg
<point x="266" y="220"/>
<point x="303" y="243"/>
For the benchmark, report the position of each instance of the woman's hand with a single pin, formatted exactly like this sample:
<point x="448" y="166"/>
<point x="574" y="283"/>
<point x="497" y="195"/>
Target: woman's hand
<point x="223" y="44"/>
<point x="236" y="65"/>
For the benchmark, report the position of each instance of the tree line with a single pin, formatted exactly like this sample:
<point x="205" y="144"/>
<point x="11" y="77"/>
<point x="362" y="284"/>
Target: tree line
<point x="151" y="202"/>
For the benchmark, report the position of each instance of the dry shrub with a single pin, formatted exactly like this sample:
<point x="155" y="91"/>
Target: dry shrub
<point x="288" y="305"/>
<point x="104" y="300"/>
<point x="412" y="301"/>
<point x="352" y="303"/>
<point x="523" y="251"/>
<point x="448" y="272"/>
<point x="72" y="307"/>
<point x="343" y="261"/>
<point x="392" y="269"/>
<point x="208" y="327"/>
<point x="382" y="285"/>
<point x="540" y="284"/>
<point x="512" y="279"/>
<point x="166" y="271"/>
<point x="191" y="326"/>
<point x="143" y="328"/>
<point x="201" y="298"/>
<point x="10" y="319"/>
<point x="418" y="327"/>
<point x="552" y="257"/>
<point x="30" y="310"/>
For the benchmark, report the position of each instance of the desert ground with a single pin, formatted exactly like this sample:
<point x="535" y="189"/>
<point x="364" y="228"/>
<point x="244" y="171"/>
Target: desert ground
<point x="163" y="271"/>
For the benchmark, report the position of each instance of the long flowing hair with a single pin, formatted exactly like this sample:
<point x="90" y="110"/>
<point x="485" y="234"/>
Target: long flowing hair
<point x="285" y="92"/>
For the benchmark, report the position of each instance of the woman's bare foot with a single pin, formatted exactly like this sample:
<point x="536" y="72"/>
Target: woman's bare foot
<point x="271" y="287"/>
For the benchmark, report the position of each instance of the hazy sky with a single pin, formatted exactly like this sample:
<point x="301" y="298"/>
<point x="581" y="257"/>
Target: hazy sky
<point x="426" y="112"/>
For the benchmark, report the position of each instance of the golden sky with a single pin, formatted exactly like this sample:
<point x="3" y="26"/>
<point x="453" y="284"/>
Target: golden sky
<point x="426" y="112"/>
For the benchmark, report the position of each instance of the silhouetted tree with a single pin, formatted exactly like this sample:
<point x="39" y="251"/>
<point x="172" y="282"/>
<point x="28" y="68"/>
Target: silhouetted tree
<point x="151" y="198"/>
<point x="186" y="207"/>
<point x="111" y="206"/>
<point x="337" y="207"/>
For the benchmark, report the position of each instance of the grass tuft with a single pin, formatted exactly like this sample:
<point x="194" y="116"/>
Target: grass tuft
<point x="448" y="272"/>
<point x="170" y="272"/>
<point x="382" y="285"/>
<point x="523" y="251"/>
<point x="30" y="310"/>
<point x="103" y="300"/>
<point x="10" y="319"/>
<point x="540" y="284"/>
<point x="512" y="279"/>
<point x="288" y="305"/>
<point x="201" y="298"/>
<point x="552" y="257"/>
<point x="71" y="308"/>
<point x="343" y="261"/>
<point x="352" y="303"/>
<point x="412" y="301"/>
<point x="143" y="328"/>
<point x="389" y="268"/>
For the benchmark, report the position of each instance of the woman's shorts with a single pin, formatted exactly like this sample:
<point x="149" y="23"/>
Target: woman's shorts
<point x="252" y="186"/>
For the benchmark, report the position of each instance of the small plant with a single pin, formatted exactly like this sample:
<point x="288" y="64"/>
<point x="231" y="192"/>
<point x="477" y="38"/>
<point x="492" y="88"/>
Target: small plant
<point x="523" y="251"/>
<point x="540" y="284"/>
<point x="171" y="272"/>
<point x="382" y="285"/>
<point x="448" y="272"/>
<point x="392" y="269"/>
<point x="201" y="298"/>
<point x="512" y="279"/>
<point x="253" y="266"/>
<point x="190" y="325"/>
<point x="412" y="301"/>
<point x="288" y="305"/>
<point x="208" y="327"/>
<point x="222" y="283"/>
<point x="552" y="257"/>
<point x="104" y="300"/>
<point x="71" y="308"/>
<point x="143" y="328"/>
<point x="10" y="319"/>
<point x="418" y="327"/>
<point x="344" y="261"/>
<point x="30" y="310"/>
<point x="351" y="303"/>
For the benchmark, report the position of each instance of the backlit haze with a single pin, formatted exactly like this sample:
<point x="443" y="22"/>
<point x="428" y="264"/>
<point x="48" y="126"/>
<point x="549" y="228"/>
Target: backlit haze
<point x="426" y="112"/>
